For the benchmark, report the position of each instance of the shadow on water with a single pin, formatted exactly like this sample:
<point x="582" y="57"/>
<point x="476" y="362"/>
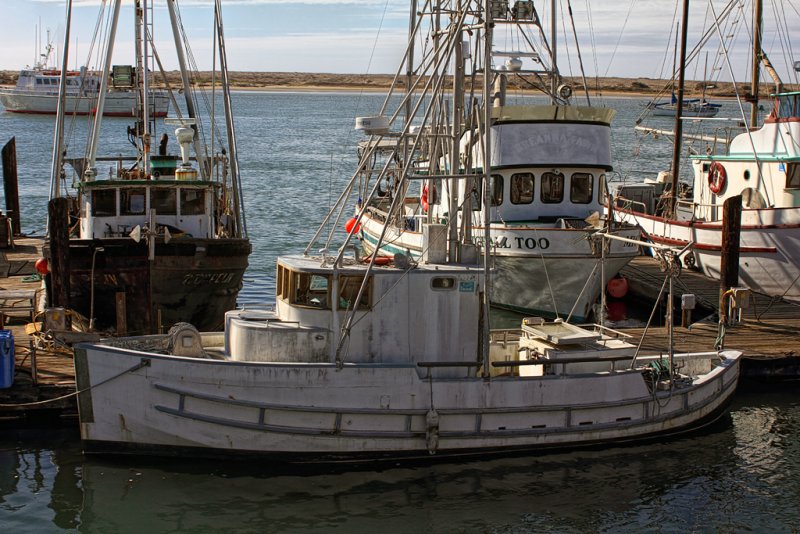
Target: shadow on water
<point x="743" y="474"/>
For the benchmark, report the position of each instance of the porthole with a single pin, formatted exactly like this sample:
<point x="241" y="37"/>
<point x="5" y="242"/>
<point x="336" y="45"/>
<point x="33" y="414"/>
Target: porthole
<point x="443" y="283"/>
<point x="747" y="174"/>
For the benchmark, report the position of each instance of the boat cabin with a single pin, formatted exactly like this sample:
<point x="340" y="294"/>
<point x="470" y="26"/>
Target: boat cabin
<point x="313" y="300"/>
<point x="48" y="81"/>
<point x="112" y="208"/>
<point x="548" y="163"/>
<point x="762" y="165"/>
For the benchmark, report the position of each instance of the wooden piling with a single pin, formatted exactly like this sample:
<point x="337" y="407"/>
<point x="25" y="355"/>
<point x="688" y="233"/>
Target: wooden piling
<point x="10" y="186"/>
<point x="729" y="257"/>
<point x="58" y="212"/>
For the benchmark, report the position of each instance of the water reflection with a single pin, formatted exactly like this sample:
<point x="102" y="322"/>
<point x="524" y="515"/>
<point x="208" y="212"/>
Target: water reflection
<point x="741" y="476"/>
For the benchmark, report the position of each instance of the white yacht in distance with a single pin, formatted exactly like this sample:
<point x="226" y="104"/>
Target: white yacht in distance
<point x="37" y="92"/>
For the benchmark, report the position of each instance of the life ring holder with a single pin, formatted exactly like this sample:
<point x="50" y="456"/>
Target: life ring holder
<point x="717" y="177"/>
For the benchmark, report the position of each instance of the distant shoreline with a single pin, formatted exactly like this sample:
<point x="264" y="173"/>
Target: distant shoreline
<point x="376" y="83"/>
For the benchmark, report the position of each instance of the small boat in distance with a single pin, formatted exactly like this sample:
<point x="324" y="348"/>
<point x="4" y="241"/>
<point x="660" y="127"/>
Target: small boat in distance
<point x="697" y="107"/>
<point x="37" y="92"/>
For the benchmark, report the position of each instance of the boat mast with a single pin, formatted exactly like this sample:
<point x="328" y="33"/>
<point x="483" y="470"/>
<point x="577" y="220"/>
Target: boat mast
<point x="91" y="169"/>
<point x="757" y="20"/>
<point x="487" y="169"/>
<point x="187" y="92"/>
<point x="142" y="80"/>
<point x="241" y="227"/>
<point x="454" y="163"/>
<point x="676" y="147"/>
<point x="58" y="136"/>
<point x="553" y="36"/>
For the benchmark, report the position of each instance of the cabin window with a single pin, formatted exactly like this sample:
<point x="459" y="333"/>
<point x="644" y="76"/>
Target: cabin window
<point x="603" y="194"/>
<point x="348" y="291"/>
<point x="433" y="195"/>
<point x="789" y="106"/>
<point x="132" y="202"/>
<point x="104" y="203"/>
<point x="581" y="188"/>
<point x="792" y="176"/>
<point x="164" y="201"/>
<point x="476" y="200"/>
<point x="309" y="290"/>
<point x="496" y="189"/>
<point x="443" y="283"/>
<point x="280" y="286"/>
<point x="552" y="187"/>
<point x="192" y="201"/>
<point x="522" y="188"/>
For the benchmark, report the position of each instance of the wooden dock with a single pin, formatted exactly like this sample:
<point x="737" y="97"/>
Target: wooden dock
<point x="768" y="333"/>
<point x="44" y="372"/>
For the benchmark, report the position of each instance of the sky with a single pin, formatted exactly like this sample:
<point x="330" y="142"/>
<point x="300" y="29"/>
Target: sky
<point x="628" y="38"/>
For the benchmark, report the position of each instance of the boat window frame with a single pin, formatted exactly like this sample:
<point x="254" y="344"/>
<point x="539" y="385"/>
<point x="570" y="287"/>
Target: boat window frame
<point x="545" y="178"/>
<point x="98" y="192"/>
<point x="126" y="196"/>
<point x="303" y="296"/>
<point x="602" y="194"/>
<point x="352" y="283"/>
<point x="199" y="207"/>
<point x="435" y="279"/>
<point x="516" y="178"/>
<point x="793" y="176"/>
<point x="496" y="189"/>
<point x="572" y="194"/>
<point x="168" y="190"/>
<point x="433" y="195"/>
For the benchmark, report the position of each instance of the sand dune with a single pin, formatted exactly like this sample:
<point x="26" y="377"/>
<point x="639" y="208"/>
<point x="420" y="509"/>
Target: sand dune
<point x="325" y="81"/>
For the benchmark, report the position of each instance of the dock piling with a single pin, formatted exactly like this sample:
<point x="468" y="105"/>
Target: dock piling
<point x="729" y="256"/>
<point x="10" y="185"/>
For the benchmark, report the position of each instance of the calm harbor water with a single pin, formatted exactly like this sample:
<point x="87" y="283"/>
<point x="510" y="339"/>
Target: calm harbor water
<point x="296" y="151"/>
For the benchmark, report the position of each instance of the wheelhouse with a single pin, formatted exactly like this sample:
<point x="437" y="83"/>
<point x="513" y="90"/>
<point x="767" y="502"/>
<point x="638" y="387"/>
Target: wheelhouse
<point x="112" y="208"/>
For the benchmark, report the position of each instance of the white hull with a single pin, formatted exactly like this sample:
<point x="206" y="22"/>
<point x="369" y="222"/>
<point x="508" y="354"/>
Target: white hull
<point x="769" y="250"/>
<point x="316" y="412"/>
<point x="117" y="104"/>
<point x="537" y="270"/>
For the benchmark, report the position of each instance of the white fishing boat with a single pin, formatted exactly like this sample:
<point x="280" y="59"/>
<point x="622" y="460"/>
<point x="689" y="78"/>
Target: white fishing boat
<point x="762" y="165"/>
<point x="140" y="241"/>
<point x="37" y="91"/>
<point x="549" y="164"/>
<point x="366" y="359"/>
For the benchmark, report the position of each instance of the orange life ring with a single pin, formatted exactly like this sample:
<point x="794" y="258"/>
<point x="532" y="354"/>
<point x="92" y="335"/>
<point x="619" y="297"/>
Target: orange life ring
<point x="716" y="177"/>
<point x="424" y="198"/>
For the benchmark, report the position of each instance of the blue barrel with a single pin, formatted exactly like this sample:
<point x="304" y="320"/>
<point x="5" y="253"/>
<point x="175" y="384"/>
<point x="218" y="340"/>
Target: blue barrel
<point x="6" y="359"/>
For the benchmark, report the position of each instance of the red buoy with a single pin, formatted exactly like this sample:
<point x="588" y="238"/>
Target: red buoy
<point x="617" y="287"/>
<point x="41" y="266"/>
<point x="352" y="225"/>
